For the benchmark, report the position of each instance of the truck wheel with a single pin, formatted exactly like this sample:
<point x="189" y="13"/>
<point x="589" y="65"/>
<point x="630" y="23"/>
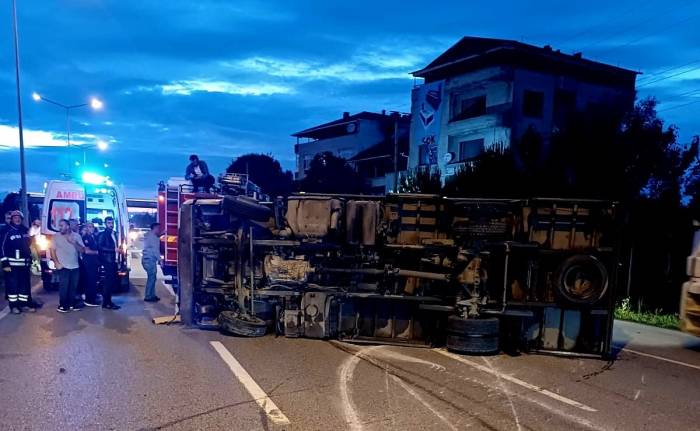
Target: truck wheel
<point x="238" y="324"/>
<point x="474" y="336"/>
<point x="245" y="207"/>
<point x="472" y="345"/>
<point x="459" y="326"/>
<point x="582" y="279"/>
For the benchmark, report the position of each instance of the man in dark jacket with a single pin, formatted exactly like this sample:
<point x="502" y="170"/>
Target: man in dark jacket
<point x="198" y="172"/>
<point x="16" y="258"/>
<point x="90" y="265"/>
<point x="107" y="247"/>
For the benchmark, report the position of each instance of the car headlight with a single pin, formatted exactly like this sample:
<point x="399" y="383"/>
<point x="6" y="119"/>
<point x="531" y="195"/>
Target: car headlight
<point x="42" y="242"/>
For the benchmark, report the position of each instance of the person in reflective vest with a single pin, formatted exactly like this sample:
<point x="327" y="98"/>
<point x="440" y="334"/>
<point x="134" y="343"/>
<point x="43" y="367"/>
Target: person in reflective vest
<point x="16" y="259"/>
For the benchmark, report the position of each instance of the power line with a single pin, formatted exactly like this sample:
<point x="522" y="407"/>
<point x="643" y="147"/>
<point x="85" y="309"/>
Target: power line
<point x="611" y="20"/>
<point x="671" y="69"/>
<point x="679" y="106"/>
<point x="634" y="26"/>
<point x="668" y="77"/>
<point x="650" y="34"/>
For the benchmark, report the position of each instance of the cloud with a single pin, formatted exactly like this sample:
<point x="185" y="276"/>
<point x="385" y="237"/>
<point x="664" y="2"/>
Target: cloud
<point x="187" y="87"/>
<point x="361" y="71"/>
<point x="9" y="138"/>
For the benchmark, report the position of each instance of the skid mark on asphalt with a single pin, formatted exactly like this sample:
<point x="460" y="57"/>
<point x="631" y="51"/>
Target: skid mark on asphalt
<point x="347" y="370"/>
<point x="260" y="397"/>
<point x="503" y="389"/>
<point x="516" y="381"/>
<point x="424" y="402"/>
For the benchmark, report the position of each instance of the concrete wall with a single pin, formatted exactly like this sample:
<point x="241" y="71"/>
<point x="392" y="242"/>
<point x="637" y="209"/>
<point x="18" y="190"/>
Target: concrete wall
<point x="369" y="133"/>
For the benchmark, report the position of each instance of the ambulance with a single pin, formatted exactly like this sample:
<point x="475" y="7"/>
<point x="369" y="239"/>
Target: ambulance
<point x="93" y="199"/>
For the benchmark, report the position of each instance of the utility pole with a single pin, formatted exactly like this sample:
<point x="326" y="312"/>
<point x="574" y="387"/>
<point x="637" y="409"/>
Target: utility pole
<point x="396" y="152"/>
<point x="23" y="174"/>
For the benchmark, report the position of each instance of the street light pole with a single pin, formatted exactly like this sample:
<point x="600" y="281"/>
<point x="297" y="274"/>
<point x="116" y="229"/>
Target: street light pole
<point x="95" y="104"/>
<point x="23" y="174"/>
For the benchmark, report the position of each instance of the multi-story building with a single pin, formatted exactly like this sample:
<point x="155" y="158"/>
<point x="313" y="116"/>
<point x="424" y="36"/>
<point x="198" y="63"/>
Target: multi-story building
<point x="485" y="92"/>
<point x="365" y="139"/>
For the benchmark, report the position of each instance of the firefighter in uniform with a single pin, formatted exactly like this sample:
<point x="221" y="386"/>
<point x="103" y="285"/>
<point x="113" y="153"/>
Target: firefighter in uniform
<point x="16" y="258"/>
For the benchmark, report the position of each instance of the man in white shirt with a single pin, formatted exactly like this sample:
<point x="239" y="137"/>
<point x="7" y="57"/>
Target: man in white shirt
<point x="66" y="248"/>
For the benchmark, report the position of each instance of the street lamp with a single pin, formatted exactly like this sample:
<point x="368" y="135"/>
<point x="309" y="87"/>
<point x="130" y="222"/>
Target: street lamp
<point x="95" y="104"/>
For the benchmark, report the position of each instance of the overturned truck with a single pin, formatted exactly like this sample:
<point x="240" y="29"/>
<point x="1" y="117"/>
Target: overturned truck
<point x="476" y="275"/>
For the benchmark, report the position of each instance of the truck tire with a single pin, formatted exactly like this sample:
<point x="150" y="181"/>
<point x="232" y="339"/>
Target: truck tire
<point x="472" y="345"/>
<point x="246" y="326"/>
<point x="245" y="207"/>
<point x="473" y="336"/>
<point x="581" y="279"/>
<point x="459" y="326"/>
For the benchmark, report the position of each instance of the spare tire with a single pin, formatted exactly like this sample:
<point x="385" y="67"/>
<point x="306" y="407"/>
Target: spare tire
<point x="582" y="279"/>
<point x="245" y="207"/>
<point x="240" y="324"/>
<point x="472" y="327"/>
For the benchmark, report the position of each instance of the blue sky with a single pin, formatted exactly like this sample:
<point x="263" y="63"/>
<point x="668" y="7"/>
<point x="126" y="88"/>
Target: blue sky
<point x="223" y="78"/>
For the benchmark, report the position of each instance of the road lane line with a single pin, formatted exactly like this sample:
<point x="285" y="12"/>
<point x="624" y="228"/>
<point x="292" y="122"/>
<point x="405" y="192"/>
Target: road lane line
<point x="516" y="381"/>
<point x="425" y="403"/>
<point x="4" y="312"/>
<point x="260" y="397"/>
<point x="661" y="358"/>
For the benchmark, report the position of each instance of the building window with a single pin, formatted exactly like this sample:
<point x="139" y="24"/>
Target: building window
<point x="471" y="149"/>
<point x="564" y="107"/>
<point x="463" y="150"/>
<point x="307" y="162"/>
<point x="467" y="107"/>
<point x="533" y="104"/>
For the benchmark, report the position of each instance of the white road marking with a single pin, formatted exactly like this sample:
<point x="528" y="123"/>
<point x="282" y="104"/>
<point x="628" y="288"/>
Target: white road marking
<point x="4" y="312"/>
<point x="260" y="397"/>
<point x="661" y="358"/>
<point x="422" y="401"/>
<point x="516" y="381"/>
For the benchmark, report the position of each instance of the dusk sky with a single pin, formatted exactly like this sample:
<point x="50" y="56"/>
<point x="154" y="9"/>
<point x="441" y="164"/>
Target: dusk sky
<point x="224" y="78"/>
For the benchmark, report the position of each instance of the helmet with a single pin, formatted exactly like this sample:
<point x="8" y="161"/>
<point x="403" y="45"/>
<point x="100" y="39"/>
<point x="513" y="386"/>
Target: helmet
<point x="17" y="213"/>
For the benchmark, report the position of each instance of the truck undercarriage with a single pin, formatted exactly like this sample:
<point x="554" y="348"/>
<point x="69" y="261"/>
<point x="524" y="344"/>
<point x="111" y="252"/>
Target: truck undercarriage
<point x="478" y="275"/>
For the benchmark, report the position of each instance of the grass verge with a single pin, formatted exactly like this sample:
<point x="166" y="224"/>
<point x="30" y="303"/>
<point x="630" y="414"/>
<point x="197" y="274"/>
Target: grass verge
<point x="667" y="321"/>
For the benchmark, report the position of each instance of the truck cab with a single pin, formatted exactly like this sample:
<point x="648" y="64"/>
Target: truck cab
<point x="92" y="199"/>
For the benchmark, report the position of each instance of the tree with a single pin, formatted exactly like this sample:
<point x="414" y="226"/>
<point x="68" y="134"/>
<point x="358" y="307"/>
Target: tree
<point x="421" y="181"/>
<point x="264" y="171"/>
<point x="331" y="174"/>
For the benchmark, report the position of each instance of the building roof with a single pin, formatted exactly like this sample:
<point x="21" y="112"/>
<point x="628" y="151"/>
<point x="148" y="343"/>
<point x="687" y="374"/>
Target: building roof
<point x="476" y="52"/>
<point x="316" y="131"/>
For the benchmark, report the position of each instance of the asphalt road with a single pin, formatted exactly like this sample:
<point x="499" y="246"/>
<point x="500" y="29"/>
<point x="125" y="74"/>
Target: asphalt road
<point x="114" y="370"/>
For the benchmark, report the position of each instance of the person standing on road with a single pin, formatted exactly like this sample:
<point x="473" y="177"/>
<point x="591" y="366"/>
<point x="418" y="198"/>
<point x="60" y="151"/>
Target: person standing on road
<point x="34" y="235"/>
<point x="90" y="265"/>
<point x="2" y="235"/>
<point x="149" y="260"/>
<point x="16" y="258"/>
<point x="107" y="247"/>
<point x="198" y="172"/>
<point x="66" y="248"/>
